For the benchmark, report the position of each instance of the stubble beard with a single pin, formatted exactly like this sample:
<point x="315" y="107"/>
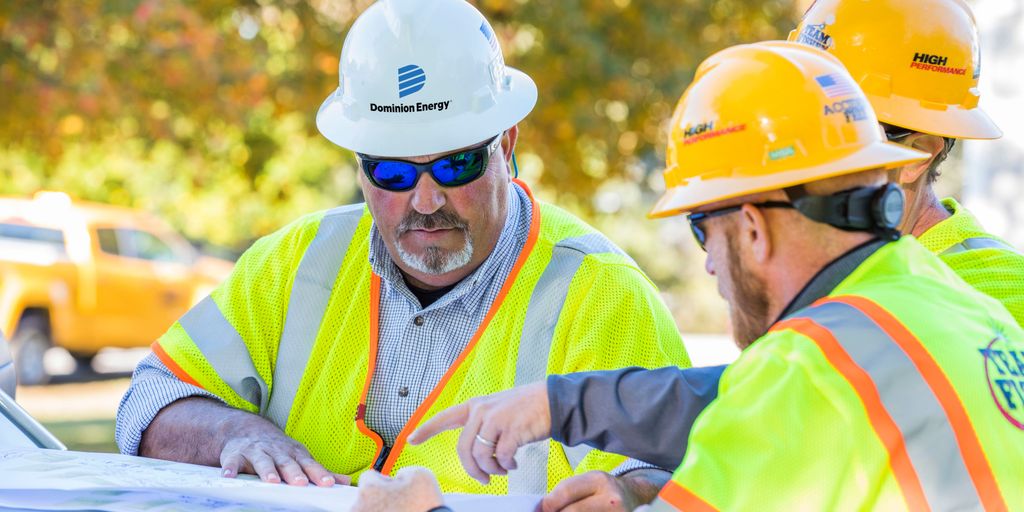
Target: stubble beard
<point x="749" y="307"/>
<point x="436" y="260"/>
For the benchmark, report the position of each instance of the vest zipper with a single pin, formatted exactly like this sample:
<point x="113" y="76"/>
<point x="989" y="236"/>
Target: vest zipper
<point x="379" y="463"/>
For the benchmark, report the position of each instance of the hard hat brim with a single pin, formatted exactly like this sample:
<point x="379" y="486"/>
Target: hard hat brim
<point x="684" y="199"/>
<point x="397" y="139"/>
<point x="953" y="121"/>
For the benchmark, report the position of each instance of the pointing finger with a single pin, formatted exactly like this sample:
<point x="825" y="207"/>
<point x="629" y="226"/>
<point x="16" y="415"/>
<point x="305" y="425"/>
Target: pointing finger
<point x="448" y="419"/>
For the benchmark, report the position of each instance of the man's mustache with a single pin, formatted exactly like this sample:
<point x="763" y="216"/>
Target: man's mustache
<point x="441" y="219"/>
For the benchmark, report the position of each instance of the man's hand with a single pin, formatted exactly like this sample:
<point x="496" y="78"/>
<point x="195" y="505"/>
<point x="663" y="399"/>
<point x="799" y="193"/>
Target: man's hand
<point x="599" y="491"/>
<point x="274" y="457"/>
<point x="204" y="431"/>
<point x="493" y="428"/>
<point x="414" y="489"/>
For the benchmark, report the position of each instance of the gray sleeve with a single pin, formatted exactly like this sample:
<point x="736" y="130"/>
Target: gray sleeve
<point x="643" y="414"/>
<point x="153" y="387"/>
<point x="633" y="464"/>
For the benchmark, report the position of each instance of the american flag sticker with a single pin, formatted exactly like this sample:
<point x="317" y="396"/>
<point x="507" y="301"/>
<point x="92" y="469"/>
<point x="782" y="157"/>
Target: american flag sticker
<point x="835" y="85"/>
<point x="489" y="35"/>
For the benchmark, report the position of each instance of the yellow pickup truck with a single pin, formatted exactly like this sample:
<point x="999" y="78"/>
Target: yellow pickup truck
<point x="84" y="276"/>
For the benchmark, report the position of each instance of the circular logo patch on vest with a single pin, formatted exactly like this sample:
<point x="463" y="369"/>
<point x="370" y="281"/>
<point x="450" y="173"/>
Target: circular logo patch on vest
<point x="1004" y="369"/>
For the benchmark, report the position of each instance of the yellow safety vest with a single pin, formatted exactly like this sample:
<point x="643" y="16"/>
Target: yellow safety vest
<point x="986" y="262"/>
<point x="292" y="335"/>
<point x="901" y="390"/>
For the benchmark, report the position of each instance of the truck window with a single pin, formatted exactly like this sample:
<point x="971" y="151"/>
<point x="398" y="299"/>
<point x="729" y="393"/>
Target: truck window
<point x="108" y="241"/>
<point x="32" y="233"/>
<point x="147" y="246"/>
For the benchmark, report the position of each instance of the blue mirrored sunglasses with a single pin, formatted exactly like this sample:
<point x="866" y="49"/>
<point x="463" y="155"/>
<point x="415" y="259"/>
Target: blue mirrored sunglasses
<point x="452" y="170"/>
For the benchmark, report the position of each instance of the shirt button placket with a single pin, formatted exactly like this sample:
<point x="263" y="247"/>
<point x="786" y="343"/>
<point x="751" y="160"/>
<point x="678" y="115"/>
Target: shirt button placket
<point x="418" y="321"/>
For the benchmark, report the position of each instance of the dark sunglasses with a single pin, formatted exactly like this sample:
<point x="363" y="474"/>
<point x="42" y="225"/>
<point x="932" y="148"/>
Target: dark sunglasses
<point x="895" y="133"/>
<point x="696" y="218"/>
<point x="452" y="170"/>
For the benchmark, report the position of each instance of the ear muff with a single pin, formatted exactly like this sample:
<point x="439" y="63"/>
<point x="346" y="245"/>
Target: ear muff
<point x="875" y="209"/>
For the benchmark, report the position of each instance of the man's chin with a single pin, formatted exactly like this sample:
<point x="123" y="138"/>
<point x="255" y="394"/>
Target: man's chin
<point x="436" y="261"/>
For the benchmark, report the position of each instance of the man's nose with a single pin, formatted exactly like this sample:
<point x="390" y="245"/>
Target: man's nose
<point x="427" y="196"/>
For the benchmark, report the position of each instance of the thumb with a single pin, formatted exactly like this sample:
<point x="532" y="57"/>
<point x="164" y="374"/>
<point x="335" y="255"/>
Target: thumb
<point x="372" y="478"/>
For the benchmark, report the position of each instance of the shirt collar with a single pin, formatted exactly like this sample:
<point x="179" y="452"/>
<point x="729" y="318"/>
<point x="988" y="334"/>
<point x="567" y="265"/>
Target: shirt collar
<point x="959" y="226"/>
<point x="830" y="276"/>
<point x="473" y="288"/>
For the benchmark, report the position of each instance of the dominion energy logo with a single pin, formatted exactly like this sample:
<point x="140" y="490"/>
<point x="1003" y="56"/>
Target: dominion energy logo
<point x="1004" y="370"/>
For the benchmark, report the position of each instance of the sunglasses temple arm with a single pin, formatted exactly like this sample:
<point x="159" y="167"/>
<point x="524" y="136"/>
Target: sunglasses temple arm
<point x="515" y="166"/>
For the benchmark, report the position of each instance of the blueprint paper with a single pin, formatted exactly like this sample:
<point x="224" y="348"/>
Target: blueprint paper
<point x="64" y="480"/>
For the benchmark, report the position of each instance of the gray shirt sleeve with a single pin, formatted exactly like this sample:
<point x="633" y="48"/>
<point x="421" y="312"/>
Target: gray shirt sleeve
<point x="153" y="387"/>
<point x="643" y="414"/>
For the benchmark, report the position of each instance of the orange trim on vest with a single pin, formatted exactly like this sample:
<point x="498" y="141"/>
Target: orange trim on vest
<point x="181" y="374"/>
<point x="417" y="416"/>
<point x="970" y="448"/>
<point x="683" y="499"/>
<point x="883" y="424"/>
<point x="371" y="365"/>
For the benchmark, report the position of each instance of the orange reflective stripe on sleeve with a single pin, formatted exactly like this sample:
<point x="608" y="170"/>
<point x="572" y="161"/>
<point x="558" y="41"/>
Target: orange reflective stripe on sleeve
<point x="683" y="499"/>
<point x="173" y="366"/>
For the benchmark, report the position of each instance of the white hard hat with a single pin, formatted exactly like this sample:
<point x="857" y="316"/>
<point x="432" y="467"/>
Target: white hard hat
<point x="419" y="77"/>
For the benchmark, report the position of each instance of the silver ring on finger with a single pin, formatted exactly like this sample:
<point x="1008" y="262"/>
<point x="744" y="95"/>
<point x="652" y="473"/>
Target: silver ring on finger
<point x="485" y="442"/>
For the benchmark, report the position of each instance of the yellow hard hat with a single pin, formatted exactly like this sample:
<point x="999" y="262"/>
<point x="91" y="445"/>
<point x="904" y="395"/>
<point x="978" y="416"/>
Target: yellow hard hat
<point x="918" y="62"/>
<point x="767" y="116"/>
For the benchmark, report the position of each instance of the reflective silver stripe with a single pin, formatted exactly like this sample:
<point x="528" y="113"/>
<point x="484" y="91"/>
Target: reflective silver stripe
<point x="535" y="344"/>
<point x="225" y="351"/>
<point x="927" y="433"/>
<point x="576" y="454"/>
<point x="980" y="242"/>
<point x="594" y="243"/>
<point x="307" y="304"/>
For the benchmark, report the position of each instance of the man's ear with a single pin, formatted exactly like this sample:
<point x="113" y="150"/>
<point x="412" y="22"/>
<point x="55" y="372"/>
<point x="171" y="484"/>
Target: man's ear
<point x="755" y="232"/>
<point x="508" y="142"/>
<point x="933" y="144"/>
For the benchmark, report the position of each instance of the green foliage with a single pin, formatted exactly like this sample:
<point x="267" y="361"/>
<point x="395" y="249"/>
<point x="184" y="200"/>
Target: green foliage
<point x="203" y="111"/>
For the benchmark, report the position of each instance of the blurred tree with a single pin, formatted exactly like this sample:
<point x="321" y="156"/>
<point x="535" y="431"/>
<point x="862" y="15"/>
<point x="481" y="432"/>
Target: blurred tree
<point x="202" y="111"/>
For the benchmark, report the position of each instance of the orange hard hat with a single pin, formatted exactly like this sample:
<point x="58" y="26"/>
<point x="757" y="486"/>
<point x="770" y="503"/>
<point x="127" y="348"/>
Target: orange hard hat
<point x="767" y="116"/>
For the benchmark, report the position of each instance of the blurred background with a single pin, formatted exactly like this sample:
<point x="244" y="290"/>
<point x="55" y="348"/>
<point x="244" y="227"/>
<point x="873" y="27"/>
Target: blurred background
<point x="191" y="126"/>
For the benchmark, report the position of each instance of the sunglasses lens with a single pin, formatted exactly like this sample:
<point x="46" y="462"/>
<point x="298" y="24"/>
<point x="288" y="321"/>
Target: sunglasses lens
<point x="460" y="168"/>
<point x="896" y="134"/>
<point x="698" y="233"/>
<point x="392" y="175"/>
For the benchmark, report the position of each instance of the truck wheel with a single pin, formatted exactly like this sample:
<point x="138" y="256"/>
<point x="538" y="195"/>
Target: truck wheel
<point x="29" y="345"/>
